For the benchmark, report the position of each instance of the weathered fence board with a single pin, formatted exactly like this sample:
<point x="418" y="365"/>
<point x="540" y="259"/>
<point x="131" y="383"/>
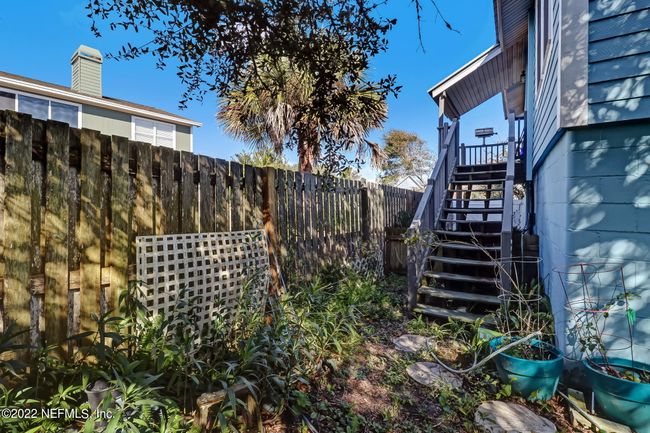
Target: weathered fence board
<point x="300" y="222"/>
<point x="144" y="199"/>
<point x="17" y="221"/>
<point x="308" y="234"/>
<point x="72" y="203"/>
<point x="291" y="221"/>
<point x="120" y="218"/>
<point x="206" y="194"/>
<point x="56" y="233"/>
<point x="259" y="206"/>
<point x="236" y="216"/>
<point x="249" y="196"/>
<point x="281" y="223"/>
<point x="169" y="196"/>
<point x="188" y="193"/>
<point x="89" y="227"/>
<point x="222" y="210"/>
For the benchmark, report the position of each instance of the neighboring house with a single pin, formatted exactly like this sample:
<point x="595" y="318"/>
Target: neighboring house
<point x="577" y="74"/>
<point x="83" y="105"/>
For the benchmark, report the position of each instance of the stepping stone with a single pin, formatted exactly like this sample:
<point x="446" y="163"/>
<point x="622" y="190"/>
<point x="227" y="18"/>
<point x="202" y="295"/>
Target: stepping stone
<point x="410" y="343"/>
<point x="502" y="417"/>
<point x="430" y="374"/>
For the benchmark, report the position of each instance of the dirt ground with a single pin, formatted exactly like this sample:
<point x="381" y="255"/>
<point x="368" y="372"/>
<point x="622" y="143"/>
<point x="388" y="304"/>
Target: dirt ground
<point x="370" y="392"/>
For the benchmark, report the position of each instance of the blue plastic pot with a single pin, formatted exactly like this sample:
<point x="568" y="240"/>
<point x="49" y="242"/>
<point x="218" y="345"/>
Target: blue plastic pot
<point x="534" y="380"/>
<point x="621" y="400"/>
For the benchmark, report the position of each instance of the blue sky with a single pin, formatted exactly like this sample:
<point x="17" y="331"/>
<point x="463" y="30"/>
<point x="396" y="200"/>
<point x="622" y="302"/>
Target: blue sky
<point x="42" y="50"/>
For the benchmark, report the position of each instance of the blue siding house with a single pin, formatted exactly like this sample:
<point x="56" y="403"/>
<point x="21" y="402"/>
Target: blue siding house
<point x="576" y="74"/>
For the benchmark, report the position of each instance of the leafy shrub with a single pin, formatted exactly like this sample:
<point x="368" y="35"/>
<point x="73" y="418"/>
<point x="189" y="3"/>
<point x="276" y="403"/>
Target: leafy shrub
<point x="157" y="366"/>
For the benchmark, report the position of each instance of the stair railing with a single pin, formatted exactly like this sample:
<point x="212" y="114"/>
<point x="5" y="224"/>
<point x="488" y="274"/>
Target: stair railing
<point x="506" y="225"/>
<point x="429" y="209"/>
<point x="483" y="153"/>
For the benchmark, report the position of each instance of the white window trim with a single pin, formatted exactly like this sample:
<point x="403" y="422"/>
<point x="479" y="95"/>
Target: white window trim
<point x="45" y="98"/>
<point x="155" y="134"/>
<point x="98" y="102"/>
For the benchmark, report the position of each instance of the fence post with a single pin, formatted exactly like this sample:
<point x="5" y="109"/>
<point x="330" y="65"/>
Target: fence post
<point x="365" y="214"/>
<point x="270" y="215"/>
<point x="412" y="264"/>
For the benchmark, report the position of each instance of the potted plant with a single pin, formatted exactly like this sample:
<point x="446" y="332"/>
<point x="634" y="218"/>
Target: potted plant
<point x="622" y="390"/>
<point x="621" y="384"/>
<point x="532" y="368"/>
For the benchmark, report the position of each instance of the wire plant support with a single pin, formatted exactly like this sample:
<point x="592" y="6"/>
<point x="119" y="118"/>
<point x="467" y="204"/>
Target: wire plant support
<point x="601" y="316"/>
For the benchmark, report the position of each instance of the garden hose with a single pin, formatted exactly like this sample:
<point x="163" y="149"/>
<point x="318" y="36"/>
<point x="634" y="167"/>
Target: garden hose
<point x="476" y="365"/>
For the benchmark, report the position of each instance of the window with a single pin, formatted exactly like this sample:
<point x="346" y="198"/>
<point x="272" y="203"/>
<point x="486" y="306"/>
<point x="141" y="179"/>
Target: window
<point x="156" y="133"/>
<point x="40" y="108"/>
<point x="7" y="101"/>
<point x="64" y="113"/>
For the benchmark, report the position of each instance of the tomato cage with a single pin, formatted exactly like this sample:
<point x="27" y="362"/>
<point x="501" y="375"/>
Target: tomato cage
<point x="600" y="315"/>
<point x="519" y="277"/>
<point x="524" y="306"/>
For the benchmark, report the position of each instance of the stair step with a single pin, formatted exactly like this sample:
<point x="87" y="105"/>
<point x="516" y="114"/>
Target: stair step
<point x="492" y="210"/>
<point x="465" y="234"/>
<point x="445" y="313"/>
<point x="473" y="199"/>
<point x="477" y="182"/>
<point x="447" y="220"/>
<point x="458" y="261"/>
<point x="459" y="296"/>
<point x="490" y="165"/>
<point x="476" y="190"/>
<point x="459" y="277"/>
<point x="480" y="173"/>
<point x="466" y="247"/>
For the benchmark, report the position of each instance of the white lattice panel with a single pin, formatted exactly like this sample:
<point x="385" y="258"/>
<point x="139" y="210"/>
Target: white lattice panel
<point x="215" y="267"/>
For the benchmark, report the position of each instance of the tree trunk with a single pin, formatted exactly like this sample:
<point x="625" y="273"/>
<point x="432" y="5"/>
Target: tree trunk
<point x="306" y="146"/>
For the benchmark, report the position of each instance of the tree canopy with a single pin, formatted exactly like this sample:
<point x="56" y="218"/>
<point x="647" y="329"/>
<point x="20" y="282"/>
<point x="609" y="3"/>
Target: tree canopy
<point x="407" y="159"/>
<point x="213" y="43"/>
<point x="216" y="42"/>
<point x="264" y="156"/>
<point x="274" y="107"/>
<point x="217" y="46"/>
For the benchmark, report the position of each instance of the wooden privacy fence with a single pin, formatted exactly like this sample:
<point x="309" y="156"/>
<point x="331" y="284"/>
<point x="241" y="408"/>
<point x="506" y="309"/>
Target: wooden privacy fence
<point x="73" y="201"/>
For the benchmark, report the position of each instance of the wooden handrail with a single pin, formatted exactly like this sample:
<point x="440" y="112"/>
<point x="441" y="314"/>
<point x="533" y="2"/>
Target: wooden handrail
<point x="443" y="153"/>
<point x="506" y="224"/>
<point x="428" y="211"/>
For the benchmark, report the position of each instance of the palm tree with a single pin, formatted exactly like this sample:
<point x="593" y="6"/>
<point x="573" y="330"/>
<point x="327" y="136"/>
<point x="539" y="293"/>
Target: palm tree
<point x="273" y="107"/>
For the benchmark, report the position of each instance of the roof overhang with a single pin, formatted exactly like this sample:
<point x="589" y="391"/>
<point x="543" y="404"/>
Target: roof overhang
<point x="499" y="69"/>
<point x="55" y="92"/>
<point x="494" y="71"/>
<point x="511" y="20"/>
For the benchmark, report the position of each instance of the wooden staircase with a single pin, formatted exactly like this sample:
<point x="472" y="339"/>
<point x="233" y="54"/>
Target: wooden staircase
<point x="460" y="276"/>
<point x="461" y="229"/>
